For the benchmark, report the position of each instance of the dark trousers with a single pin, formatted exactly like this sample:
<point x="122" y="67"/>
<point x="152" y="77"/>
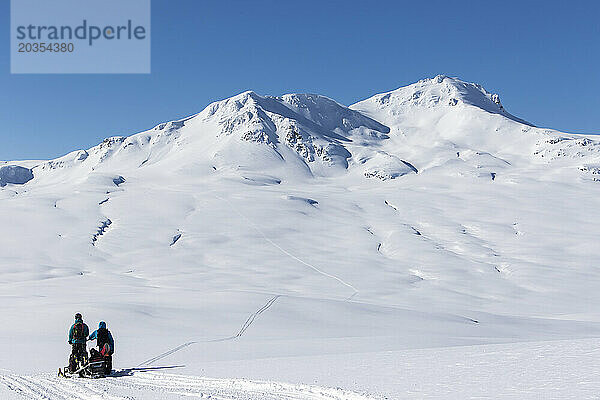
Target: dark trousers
<point x="108" y="357"/>
<point x="78" y="356"/>
<point x="108" y="364"/>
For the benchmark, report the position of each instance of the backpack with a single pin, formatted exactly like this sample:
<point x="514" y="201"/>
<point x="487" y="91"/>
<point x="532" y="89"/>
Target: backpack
<point x="105" y="350"/>
<point x="78" y="331"/>
<point x="102" y="336"/>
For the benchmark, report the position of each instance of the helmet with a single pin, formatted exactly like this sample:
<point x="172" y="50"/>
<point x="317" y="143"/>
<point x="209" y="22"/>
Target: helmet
<point x="78" y="316"/>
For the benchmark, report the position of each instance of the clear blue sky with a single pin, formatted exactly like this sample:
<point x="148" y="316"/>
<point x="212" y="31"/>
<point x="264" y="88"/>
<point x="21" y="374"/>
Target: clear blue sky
<point x="543" y="57"/>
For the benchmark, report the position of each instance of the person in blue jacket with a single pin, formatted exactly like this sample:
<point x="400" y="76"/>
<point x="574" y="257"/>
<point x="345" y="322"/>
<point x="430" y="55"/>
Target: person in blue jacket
<point x="77" y="339"/>
<point x="103" y="337"/>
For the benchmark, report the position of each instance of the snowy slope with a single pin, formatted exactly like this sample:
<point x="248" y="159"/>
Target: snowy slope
<point x="164" y="386"/>
<point x="293" y="227"/>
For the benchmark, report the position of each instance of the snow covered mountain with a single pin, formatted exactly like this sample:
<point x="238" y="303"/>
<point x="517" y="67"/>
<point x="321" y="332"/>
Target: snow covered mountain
<point x="304" y="134"/>
<point x="431" y="121"/>
<point x="424" y="217"/>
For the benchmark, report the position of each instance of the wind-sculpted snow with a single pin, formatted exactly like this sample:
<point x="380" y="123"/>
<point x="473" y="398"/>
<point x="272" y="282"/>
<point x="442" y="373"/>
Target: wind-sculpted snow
<point x="419" y="218"/>
<point x="386" y="166"/>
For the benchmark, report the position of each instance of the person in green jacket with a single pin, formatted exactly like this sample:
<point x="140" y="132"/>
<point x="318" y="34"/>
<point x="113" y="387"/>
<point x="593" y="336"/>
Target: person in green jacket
<point x="77" y="339"/>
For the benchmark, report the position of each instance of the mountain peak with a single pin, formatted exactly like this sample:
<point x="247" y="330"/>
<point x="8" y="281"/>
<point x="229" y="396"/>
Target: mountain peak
<point x="444" y="91"/>
<point x="314" y="128"/>
<point x="254" y="115"/>
<point x="469" y="93"/>
<point x="404" y="131"/>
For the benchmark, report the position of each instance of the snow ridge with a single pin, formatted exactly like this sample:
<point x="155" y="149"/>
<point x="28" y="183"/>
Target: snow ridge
<point x="443" y="91"/>
<point x="383" y="137"/>
<point x="314" y="127"/>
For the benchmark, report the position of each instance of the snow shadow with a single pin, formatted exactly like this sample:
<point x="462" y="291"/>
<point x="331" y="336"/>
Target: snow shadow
<point x="131" y="371"/>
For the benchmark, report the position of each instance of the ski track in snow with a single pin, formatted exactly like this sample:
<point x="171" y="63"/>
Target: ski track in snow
<point x="516" y="254"/>
<point x="287" y="253"/>
<point x="252" y="317"/>
<point x="242" y="330"/>
<point x="165" y="386"/>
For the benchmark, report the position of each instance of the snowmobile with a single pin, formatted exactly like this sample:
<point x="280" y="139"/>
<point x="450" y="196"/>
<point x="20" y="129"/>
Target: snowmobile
<point x="97" y="366"/>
